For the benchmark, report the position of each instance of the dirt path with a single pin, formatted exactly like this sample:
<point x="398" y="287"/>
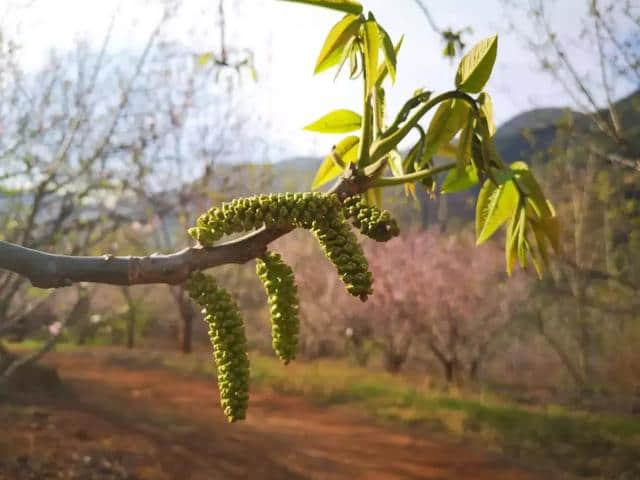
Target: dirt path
<point x="152" y="423"/>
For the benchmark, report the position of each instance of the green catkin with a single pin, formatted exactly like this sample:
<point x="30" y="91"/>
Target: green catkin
<point x="321" y="213"/>
<point x="371" y="221"/>
<point x="341" y="246"/>
<point x="245" y="214"/>
<point x="226" y="331"/>
<point x="282" y="294"/>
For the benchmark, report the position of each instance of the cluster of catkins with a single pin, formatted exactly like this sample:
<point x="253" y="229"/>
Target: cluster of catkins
<point x="226" y="331"/>
<point x="326" y="218"/>
<point x="371" y="221"/>
<point x="282" y="295"/>
<point x="318" y="212"/>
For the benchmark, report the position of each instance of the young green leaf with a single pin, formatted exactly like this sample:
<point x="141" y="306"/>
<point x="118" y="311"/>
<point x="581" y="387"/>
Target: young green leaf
<point x="511" y="251"/>
<point x="541" y="251"/>
<point x="463" y="155"/>
<point x="380" y="110"/>
<point x="338" y="37"/>
<point x="345" y="55"/>
<point x="371" y="52"/>
<point x="495" y="205"/>
<point x="338" y="121"/>
<point x="347" y="150"/>
<point x="476" y="66"/>
<point x="383" y="70"/>
<point x="348" y="6"/>
<point x="457" y="180"/>
<point x="446" y="122"/>
<point x="447" y="150"/>
<point x="374" y="197"/>
<point x="486" y="110"/>
<point x="533" y="190"/>
<point x="523" y="244"/>
<point x="395" y="163"/>
<point x="354" y="61"/>
<point x="389" y="52"/>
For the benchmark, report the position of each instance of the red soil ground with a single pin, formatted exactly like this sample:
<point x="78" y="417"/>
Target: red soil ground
<point x="123" y="422"/>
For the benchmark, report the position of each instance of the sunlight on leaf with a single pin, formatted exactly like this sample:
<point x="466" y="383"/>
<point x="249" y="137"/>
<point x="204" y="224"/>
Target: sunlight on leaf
<point x="495" y="205"/>
<point x="371" y="52"/>
<point x="347" y="150"/>
<point x="457" y="181"/>
<point x="338" y="121"/>
<point x="463" y="154"/>
<point x="476" y="66"/>
<point x="338" y="37"/>
<point x="447" y="121"/>
<point x="383" y="70"/>
<point x="486" y="110"/>
<point x="389" y="52"/>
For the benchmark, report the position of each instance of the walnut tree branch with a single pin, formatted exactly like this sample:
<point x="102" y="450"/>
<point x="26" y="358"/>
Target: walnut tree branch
<point x="47" y="270"/>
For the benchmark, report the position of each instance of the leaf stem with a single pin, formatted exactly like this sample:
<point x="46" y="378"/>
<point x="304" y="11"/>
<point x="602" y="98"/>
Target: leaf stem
<point x="391" y="138"/>
<point x="367" y="120"/>
<point x="412" y="177"/>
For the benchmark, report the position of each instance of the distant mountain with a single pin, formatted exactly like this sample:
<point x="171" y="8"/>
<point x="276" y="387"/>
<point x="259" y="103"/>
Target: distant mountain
<point x="529" y="132"/>
<point x="534" y="131"/>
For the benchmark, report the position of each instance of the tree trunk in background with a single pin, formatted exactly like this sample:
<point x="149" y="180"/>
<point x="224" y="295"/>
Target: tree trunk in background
<point x="130" y="316"/>
<point x="187" y="314"/>
<point x="393" y="361"/>
<point x="187" y="332"/>
<point x="474" y="369"/>
<point x="449" y="371"/>
<point x="449" y="365"/>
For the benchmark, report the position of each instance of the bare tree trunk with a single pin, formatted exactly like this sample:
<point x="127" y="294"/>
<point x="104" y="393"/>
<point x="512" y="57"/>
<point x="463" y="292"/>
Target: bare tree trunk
<point x="474" y="369"/>
<point x="394" y="361"/>
<point x="187" y="333"/>
<point x="448" y="364"/>
<point x="130" y="316"/>
<point x="476" y="361"/>
<point x="449" y="371"/>
<point x="187" y="314"/>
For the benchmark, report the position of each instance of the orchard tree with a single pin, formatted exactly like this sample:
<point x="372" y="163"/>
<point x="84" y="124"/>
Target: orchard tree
<point x="87" y="139"/>
<point x="446" y="307"/>
<point x="508" y="194"/>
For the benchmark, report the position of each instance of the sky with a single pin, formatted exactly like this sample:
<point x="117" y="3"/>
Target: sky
<point x="286" y="38"/>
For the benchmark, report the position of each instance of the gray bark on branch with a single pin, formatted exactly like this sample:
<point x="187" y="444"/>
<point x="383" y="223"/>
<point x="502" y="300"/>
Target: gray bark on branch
<point x="47" y="270"/>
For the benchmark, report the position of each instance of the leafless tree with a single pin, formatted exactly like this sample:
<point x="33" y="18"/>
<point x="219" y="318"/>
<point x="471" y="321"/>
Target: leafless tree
<point x="89" y="139"/>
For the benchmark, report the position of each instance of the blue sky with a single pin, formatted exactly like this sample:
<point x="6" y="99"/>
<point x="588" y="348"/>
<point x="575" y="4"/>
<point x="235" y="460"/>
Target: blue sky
<point x="286" y="38"/>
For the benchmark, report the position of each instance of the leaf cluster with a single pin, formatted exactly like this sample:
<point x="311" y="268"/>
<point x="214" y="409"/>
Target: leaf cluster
<point x="461" y="129"/>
